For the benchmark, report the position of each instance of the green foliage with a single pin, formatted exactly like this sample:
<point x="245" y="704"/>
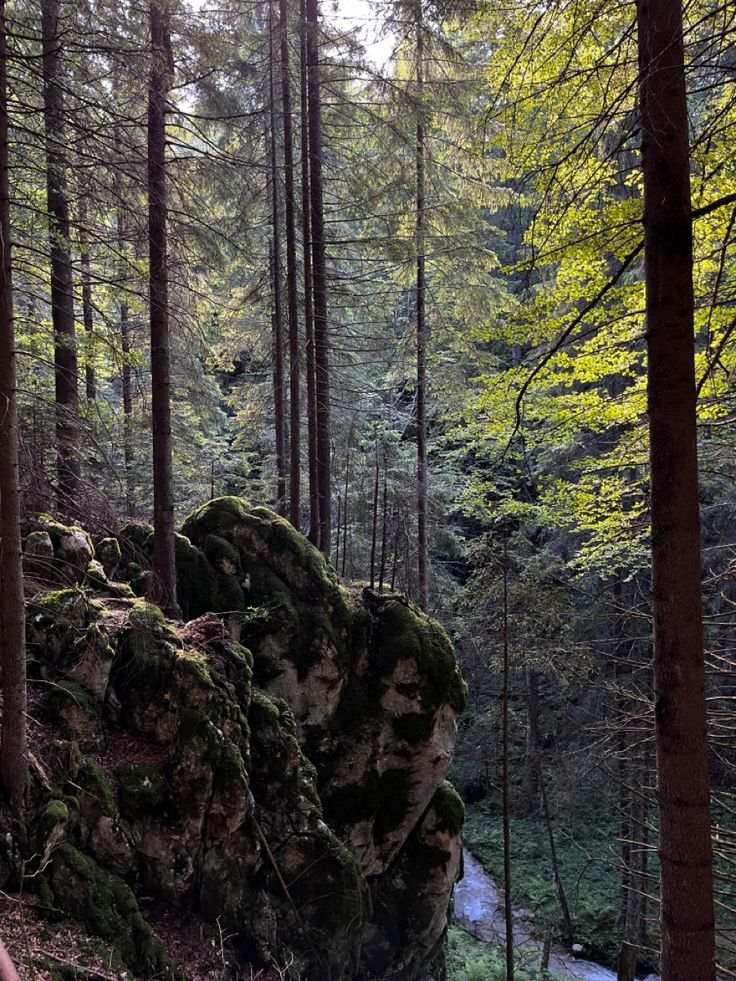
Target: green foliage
<point x="587" y="851"/>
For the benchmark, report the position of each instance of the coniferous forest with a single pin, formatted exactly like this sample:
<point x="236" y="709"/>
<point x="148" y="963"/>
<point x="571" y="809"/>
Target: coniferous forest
<point x="367" y="490"/>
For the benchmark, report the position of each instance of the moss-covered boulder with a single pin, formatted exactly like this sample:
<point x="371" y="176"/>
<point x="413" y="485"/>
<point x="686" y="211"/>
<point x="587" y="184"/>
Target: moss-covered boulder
<point x="71" y="547"/>
<point x="275" y="763"/>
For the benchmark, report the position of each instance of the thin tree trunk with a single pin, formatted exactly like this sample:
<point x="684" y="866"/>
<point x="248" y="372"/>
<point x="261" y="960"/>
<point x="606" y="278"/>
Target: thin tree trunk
<point x="279" y="384"/>
<point x="384" y="524"/>
<point x="339" y="525"/>
<point x="395" y="562"/>
<point x="683" y="785"/>
<point x="13" y="747"/>
<point x="126" y="378"/>
<point x="308" y="298"/>
<point x="163" y="500"/>
<point x="62" y="297"/>
<point x="374" y="531"/>
<point x="505" y="780"/>
<point x="559" y="887"/>
<point x="279" y="380"/>
<point x="529" y="776"/>
<point x="422" y="556"/>
<point x="345" y="504"/>
<point x="292" y="295"/>
<point x="319" y="278"/>
<point x="87" y="311"/>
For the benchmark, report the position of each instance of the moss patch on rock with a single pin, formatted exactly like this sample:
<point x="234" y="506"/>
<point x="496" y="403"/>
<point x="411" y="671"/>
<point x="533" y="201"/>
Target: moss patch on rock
<point x="449" y="809"/>
<point x="109" y="908"/>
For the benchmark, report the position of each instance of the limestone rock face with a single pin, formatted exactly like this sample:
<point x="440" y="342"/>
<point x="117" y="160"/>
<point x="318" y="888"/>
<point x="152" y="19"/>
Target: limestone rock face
<point x="276" y="763"/>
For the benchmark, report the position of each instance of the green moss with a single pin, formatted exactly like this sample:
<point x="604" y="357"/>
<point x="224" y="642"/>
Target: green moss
<point x="109" y="908"/>
<point x="94" y="574"/>
<point x="146" y="616"/>
<point x="63" y="607"/>
<point x="194" y="663"/>
<point x="222" y="555"/>
<point x="109" y="553"/>
<point x="195" y="724"/>
<point x="141" y="789"/>
<point x="196" y="582"/>
<point x="92" y="781"/>
<point x="54" y="813"/>
<point x="449" y="808"/>
<point x="402" y="631"/>
<point x="263" y="710"/>
<point x="214" y="518"/>
<point x="230" y="596"/>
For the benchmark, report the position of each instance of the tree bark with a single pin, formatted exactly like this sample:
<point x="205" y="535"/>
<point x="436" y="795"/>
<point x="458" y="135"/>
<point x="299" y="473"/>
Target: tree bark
<point x="87" y="310"/>
<point x="374" y="528"/>
<point x="505" y="778"/>
<point x="683" y="791"/>
<point x="319" y="279"/>
<point x="308" y="298"/>
<point x="384" y="525"/>
<point x="62" y="296"/>
<point x="277" y="318"/>
<point x="126" y="378"/>
<point x="13" y="748"/>
<point x="163" y="501"/>
<point x="292" y="294"/>
<point x="422" y="557"/>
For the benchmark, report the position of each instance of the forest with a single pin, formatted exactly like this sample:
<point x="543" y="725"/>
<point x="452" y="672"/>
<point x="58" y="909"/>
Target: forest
<point x="367" y="489"/>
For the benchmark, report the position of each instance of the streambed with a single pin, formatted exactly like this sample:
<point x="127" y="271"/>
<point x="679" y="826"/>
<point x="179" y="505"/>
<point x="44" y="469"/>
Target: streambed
<point x="479" y="910"/>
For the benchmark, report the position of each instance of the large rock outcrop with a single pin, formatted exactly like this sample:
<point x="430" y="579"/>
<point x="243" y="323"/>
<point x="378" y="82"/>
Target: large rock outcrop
<point x="276" y="762"/>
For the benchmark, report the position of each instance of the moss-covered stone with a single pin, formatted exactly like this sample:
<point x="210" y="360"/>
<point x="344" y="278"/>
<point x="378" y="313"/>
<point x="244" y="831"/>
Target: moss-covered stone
<point x="74" y="713"/>
<point x="215" y="517"/>
<point x="449" y="809"/>
<point x="196" y="581"/>
<point x="109" y="908"/>
<point x="92" y="783"/>
<point x="109" y="554"/>
<point x="54" y="814"/>
<point x="141" y="789"/>
<point x="404" y="632"/>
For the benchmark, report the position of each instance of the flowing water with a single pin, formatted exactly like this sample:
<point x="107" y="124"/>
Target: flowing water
<point x="479" y="910"/>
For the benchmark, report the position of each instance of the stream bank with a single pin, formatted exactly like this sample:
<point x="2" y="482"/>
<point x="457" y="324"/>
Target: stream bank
<point x="479" y="911"/>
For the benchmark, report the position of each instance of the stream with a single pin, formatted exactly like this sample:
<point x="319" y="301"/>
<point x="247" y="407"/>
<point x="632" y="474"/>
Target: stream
<point x="479" y="910"/>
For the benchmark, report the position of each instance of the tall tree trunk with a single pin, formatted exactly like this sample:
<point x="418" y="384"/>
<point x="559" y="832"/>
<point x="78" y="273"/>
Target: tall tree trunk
<point x="384" y="524"/>
<point x="13" y="749"/>
<point x="62" y="296"/>
<point x="374" y="528"/>
<point x="279" y="380"/>
<point x="87" y="310"/>
<point x="308" y="298"/>
<point x="529" y="776"/>
<point x="505" y="778"/>
<point x="126" y="377"/>
<point x="319" y="278"/>
<point x="339" y="526"/>
<point x="279" y="384"/>
<point x="163" y="501"/>
<point x="683" y="786"/>
<point x="422" y="557"/>
<point x="292" y="294"/>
